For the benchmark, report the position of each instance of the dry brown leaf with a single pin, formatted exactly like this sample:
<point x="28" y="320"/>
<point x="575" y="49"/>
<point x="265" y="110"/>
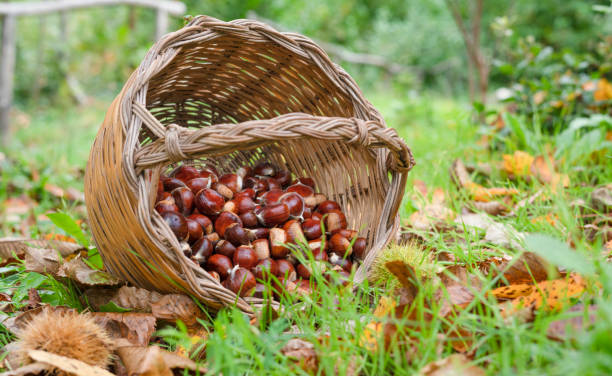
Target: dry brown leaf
<point x="69" y="194"/>
<point x="13" y="207"/>
<point x="18" y="246"/>
<point x="603" y="91"/>
<point x="31" y="369"/>
<point x="302" y="353"/>
<point x="601" y="198"/>
<point x="543" y="169"/>
<point x="491" y="207"/>
<point x="527" y="268"/>
<point x="177" y="307"/>
<point x="131" y="298"/>
<point x="154" y="361"/>
<point x="454" y="365"/>
<point x="137" y="328"/>
<point x="79" y="272"/>
<point x="462" y="178"/>
<point x="433" y="214"/>
<point x="68" y="365"/>
<point x="518" y="164"/>
<point x="456" y="291"/>
<point x="563" y="329"/>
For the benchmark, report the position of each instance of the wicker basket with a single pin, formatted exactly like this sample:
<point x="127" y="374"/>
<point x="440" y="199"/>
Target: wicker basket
<point x="232" y="93"/>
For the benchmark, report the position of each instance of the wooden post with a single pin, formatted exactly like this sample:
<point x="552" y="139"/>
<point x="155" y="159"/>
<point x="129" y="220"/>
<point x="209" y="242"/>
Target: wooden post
<point x="7" y="69"/>
<point x="161" y="23"/>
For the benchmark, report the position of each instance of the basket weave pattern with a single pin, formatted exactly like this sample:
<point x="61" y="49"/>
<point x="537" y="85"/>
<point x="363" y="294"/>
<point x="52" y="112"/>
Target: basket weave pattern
<point x="234" y="93"/>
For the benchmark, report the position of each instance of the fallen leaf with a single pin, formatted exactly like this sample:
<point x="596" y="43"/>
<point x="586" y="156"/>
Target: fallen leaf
<point x="68" y="365"/>
<point x="77" y="271"/>
<point x="131" y="298"/>
<point x="454" y="365"/>
<point x="565" y="328"/>
<point x="518" y="164"/>
<point x="137" y="328"/>
<point x="603" y="91"/>
<point x="512" y="291"/>
<point x="174" y="307"/>
<point x="543" y="169"/>
<point x="302" y="353"/>
<point x="601" y="198"/>
<point x="154" y="361"/>
<point x="30" y="369"/>
<point x="456" y="289"/>
<point x="432" y="215"/>
<point x="69" y="194"/>
<point x="462" y="178"/>
<point x="491" y="207"/>
<point x="525" y="268"/>
<point x="18" y="246"/>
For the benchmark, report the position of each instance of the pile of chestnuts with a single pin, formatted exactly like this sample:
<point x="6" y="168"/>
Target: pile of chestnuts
<point x="245" y="228"/>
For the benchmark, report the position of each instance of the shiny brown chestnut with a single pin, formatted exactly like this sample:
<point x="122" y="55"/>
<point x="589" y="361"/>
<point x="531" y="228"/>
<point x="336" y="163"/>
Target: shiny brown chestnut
<point x="319" y="255"/>
<point x="166" y="206"/>
<point x="303" y="271"/>
<point x="295" y="235"/>
<point x="244" y="172"/>
<point x="164" y="196"/>
<point x="249" y="219"/>
<point x="286" y="270"/>
<point x="237" y="235"/>
<point x="186" y="173"/>
<point x="244" y="204"/>
<point x="340" y="245"/>
<point x="273" y="184"/>
<point x="327" y="206"/>
<point x="215" y="275"/>
<point x="295" y="203"/>
<point x="231" y="206"/>
<point x="223" y="190"/>
<point x="334" y="220"/>
<point x="312" y="229"/>
<point x="220" y="264"/>
<point x="278" y="237"/>
<point x="359" y="248"/>
<point x="201" y="251"/>
<point x="273" y="215"/>
<point x="271" y="196"/>
<point x="247" y="192"/>
<point x="283" y="177"/>
<point x="318" y="243"/>
<point x="177" y="223"/>
<point x="307" y="213"/>
<point x="240" y="281"/>
<point x="262" y="248"/>
<point x="183" y="198"/>
<point x="265" y="169"/>
<point x="209" y="202"/>
<point x="316" y="216"/>
<point x="245" y="257"/>
<point x="349" y="234"/>
<point x="265" y="269"/>
<point x="224" y="221"/>
<point x="306" y="181"/>
<point x="195" y="230"/>
<point x="344" y="263"/>
<point x="197" y="184"/>
<point x="302" y="189"/>
<point x="225" y="248"/>
<point x="171" y="184"/>
<point x="256" y="184"/>
<point x="232" y="181"/>
<point x="261" y="232"/>
<point x="203" y="221"/>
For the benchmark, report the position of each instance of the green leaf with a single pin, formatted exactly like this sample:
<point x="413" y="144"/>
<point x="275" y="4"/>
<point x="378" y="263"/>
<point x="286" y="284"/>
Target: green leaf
<point x="94" y="259"/>
<point x="112" y="307"/>
<point x="66" y="223"/>
<point x="558" y="253"/>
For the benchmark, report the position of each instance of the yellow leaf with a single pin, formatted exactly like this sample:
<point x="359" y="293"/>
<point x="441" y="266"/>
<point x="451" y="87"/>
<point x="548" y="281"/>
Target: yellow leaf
<point x="482" y="194"/>
<point x="517" y="164"/>
<point x="543" y="170"/>
<point x="512" y="291"/>
<point x="603" y="91"/>
<point x="552" y="295"/>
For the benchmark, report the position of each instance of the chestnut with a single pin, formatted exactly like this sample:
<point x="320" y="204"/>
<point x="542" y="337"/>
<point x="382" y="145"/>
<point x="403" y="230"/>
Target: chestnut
<point x="273" y="184"/>
<point x="318" y="243"/>
<point x="201" y="251"/>
<point x="231" y="206"/>
<point x="359" y="248"/>
<point x="286" y="270"/>
<point x="265" y="169"/>
<point x="334" y="220"/>
<point x="349" y="234"/>
<point x="344" y="263"/>
<point x="166" y="206"/>
<point x="244" y="204"/>
<point x="303" y="287"/>
<point x="232" y="181"/>
<point x="171" y="184"/>
<point x="302" y="189"/>
<point x="195" y="230"/>
<point x="319" y="255"/>
<point x="327" y="206"/>
<point x="340" y="245"/>
<point x="177" y="224"/>
<point x="223" y="190"/>
<point x="295" y="235"/>
<point x="213" y="237"/>
<point x="249" y="219"/>
<point x="220" y="264"/>
<point x="256" y="184"/>
<point x="186" y="173"/>
<point x="312" y="229"/>
<point x="282" y="286"/>
<point x="224" y="221"/>
<point x="203" y="221"/>
<point x="316" y="216"/>
<point x="240" y="281"/>
<point x="278" y="237"/>
<point x="225" y="248"/>
<point x="262" y="248"/>
<point x="303" y="271"/>
<point x="164" y="196"/>
<point x="237" y="235"/>
<point x="209" y="202"/>
<point x="247" y="192"/>
<point x="183" y="198"/>
<point x="197" y="184"/>
<point x="245" y="257"/>
<point x="283" y="177"/>
<point x="294" y="202"/>
<point x="244" y="172"/>
<point x="317" y="199"/>
<point x="260" y="291"/>
<point x="210" y="172"/>
<point x="215" y="275"/>
<point x="265" y="268"/>
<point x="306" y="181"/>
<point x="273" y="215"/>
<point x="261" y="232"/>
<point x="307" y="213"/>
<point x="271" y="197"/>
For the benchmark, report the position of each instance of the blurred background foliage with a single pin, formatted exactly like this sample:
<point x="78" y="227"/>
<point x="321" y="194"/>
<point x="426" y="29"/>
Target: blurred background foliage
<point x="523" y="39"/>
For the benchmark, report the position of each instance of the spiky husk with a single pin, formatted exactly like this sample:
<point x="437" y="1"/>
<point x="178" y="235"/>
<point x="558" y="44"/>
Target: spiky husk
<point x="421" y="260"/>
<point x="66" y="333"/>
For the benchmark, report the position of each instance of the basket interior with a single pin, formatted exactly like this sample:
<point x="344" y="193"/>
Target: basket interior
<point x="231" y="79"/>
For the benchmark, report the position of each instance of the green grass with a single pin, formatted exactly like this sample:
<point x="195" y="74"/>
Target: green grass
<point x="438" y="130"/>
